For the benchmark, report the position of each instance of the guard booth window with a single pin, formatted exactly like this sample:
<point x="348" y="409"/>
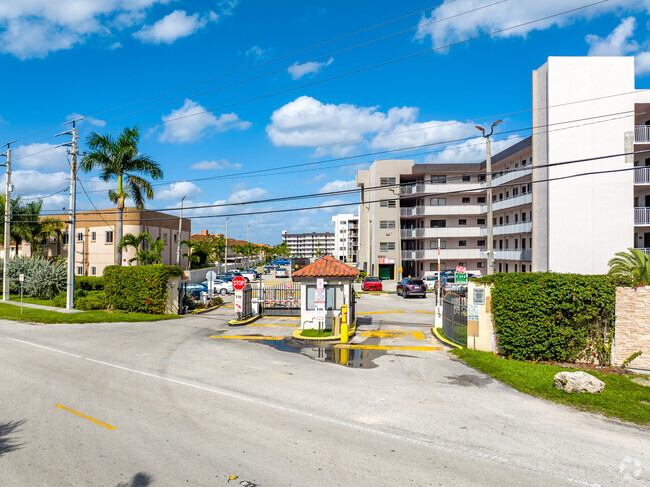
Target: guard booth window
<point x="330" y="293"/>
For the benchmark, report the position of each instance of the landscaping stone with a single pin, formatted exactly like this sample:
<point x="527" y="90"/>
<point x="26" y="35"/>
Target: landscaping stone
<point x="578" y="382"/>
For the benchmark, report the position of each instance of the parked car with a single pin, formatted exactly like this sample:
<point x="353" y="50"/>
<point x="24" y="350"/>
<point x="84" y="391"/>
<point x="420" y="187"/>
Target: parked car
<point x="281" y="272"/>
<point x="223" y="287"/>
<point x="410" y="286"/>
<point x="195" y="290"/>
<point x="451" y="286"/>
<point x="225" y="277"/>
<point x="430" y="281"/>
<point x="250" y="274"/>
<point x="268" y="268"/>
<point x="371" y="283"/>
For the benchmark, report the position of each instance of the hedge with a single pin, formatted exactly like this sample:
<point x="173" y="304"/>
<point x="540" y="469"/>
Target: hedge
<point x="89" y="283"/>
<point x="138" y="288"/>
<point x="556" y="317"/>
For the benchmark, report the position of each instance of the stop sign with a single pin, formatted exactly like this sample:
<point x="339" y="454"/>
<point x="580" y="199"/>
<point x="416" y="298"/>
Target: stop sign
<point x="238" y="283"/>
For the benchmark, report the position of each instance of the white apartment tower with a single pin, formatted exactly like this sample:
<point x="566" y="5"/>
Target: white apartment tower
<point x="310" y="245"/>
<point x="346" y="237"/>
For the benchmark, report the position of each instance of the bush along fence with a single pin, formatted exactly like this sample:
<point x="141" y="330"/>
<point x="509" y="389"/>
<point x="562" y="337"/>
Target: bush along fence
<point x="555" y="317"/>
<point x="139" y="288"/>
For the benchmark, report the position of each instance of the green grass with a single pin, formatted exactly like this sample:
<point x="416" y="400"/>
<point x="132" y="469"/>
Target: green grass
<point x="11" y="312"/>
<point x="45" y="302"/>
<point x="620" y="399"/>
<point x="314" y="333"/>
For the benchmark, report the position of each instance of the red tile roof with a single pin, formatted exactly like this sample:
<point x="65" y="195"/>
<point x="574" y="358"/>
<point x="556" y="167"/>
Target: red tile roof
<point x="327" y="266"/>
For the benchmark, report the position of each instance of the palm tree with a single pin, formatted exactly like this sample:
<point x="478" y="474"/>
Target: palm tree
<point x="152" y="255"/>
<point x="634" y="263"/>
<point x="37" y="230"/>
<point x="130" y="240"/>
<point x="17" y="218"/>
<point x="119" y="159"/>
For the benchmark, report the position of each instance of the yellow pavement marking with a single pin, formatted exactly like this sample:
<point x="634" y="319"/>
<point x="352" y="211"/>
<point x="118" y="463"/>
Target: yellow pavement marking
<point x="418" y="335"/>
<point x="244" y="337"/>
<point x="108" y="426"/>
<point x="379" y="312"/>
<point x="283" y="318"/>
<point x="428" y="312"/>
<point x="388" y="347"/>
<point x="291" y="326"/>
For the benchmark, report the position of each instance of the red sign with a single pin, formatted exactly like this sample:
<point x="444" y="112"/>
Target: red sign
<point x="461" y="269"/>
<point x="238" y="283"/>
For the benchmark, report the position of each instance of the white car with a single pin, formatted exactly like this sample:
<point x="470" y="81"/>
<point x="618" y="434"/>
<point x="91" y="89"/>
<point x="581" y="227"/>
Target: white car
<point x="221" y="287"/>
<point x="430" y="281"/>
<point x="248" y="275"/>
<point x="281" y="272"/>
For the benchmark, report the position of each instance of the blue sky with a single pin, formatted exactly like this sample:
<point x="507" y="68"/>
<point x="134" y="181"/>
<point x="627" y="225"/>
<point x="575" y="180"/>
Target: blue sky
<point x="166" y="65"/>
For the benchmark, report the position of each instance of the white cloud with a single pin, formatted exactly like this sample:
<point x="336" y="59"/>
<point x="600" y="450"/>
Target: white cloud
<point x="616" y="43"/>
<point x="216" y="165"/>
<point x="333" y="207"/>
<point x="308" y="122"/>
<point x="298" y="70"/>
<point x="472" y="150"/>
<point x="337" y="185"/>
<point x="95" y="122"/>
<point x="30" y="182"/>
<point x="642" y="65"/>
<point x="415" y="134"/>
<point x="176" y="191"/>
<point x="461" y="26"/>
<point x="191" y="122"/>
<point x="40" y="156"/>
<point x="244" y="195"/>
<point x="258" y="53"/>
<point x="172" y="27"/>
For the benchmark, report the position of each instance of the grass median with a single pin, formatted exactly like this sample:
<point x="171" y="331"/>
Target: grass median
<point x="11" y="312"/>
<point x="622" y="398"/>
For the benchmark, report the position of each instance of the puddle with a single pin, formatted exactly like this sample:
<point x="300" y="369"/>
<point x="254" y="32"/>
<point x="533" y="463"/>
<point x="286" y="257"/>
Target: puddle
<point x="468" y="380"/>
<point x="355" y="358"/>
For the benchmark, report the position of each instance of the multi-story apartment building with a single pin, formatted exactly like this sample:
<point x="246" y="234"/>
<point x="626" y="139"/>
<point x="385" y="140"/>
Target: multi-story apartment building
<point x="565" y="199"/>
<point x="95" y="242"/>
<point x="309" y="244"/>
<point x="346" y="237"/>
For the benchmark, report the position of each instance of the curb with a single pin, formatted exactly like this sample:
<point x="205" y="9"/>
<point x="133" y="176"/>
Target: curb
<point x="201" y="311"/>
<point x="244" y="322"/>
<point x="443" y="340"/>
<point x="333" y="338"/>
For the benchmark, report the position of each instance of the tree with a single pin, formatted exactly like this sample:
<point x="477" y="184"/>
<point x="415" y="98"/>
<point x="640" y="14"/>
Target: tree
<point x="27" y="224"/>
<point x="318" y="250"/>
<point x="130" y="240"/>
<point x="151" y="255"/>
<point x="634" y="263"/>
<point x="119" y="159"/>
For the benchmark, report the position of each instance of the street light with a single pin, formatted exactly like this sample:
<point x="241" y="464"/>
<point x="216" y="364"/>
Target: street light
<point x="488" y="184"/>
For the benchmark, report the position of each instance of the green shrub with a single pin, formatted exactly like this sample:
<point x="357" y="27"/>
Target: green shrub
<point x="43" y="279"/>
<point x="555" y="317"/>
<point x="138" y="288"/>
<point x="93" y="300"/>
<point x="60" y="299"/>
<point x="89" y="283"/>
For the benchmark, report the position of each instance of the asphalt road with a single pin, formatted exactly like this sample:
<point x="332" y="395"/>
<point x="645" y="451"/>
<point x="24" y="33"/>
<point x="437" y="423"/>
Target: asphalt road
<point x="174" y="403"/>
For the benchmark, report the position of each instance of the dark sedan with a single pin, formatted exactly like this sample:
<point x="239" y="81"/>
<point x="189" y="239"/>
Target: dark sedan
<point x="410" y="286"/>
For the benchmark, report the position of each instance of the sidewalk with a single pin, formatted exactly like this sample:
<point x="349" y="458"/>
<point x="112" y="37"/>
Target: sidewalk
<point x="43" y="307"/>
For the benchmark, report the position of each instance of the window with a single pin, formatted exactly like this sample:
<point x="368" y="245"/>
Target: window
<point x="516" y="217"/>
<point x="386" y="181"/>
<point x="481" y="178"/>
<point x="387" y="224"/>
<point x="523" y="244"/>
<point x="462" y="222"/>
<point x="480" y="199"/>
<point x="516" y="243"/>
<point x="80" y="237"/>
<point x="384" y="246"/>
<point x="515" y="191"/>
<point x="480" y="265"/>
<point x="438" y="201"/>
<point x="341" y="240"/>
<point x="500" y="244"/>
<point x="434" y="244"/>
<point x="523" y="163"/>
<point x="439" y="179"/>
<point x="480" y="243"/>
<point x="462" y="243"/>
<point x="175" y="237"/>
<point x="507" y="219"/>
<point x="523" y="267"/>
<point x="523" y="217"/>
<point x="506" y="267"/>
<point x="500" y="267"/>
<point x="93" y="236"/>
<point x="329" y="297"/>
<point x="387" y="203"/>
<point x="80" y="270"/>
<point x="437" y="223"/>
<point x="165" y="238"/>
<point x="109" y="237"/>
<point x="500" y="196"/>
<point x="93" y="271"/>
<point x="500" y="220"/>
<point x="480" y="221"/>
<point x="64" y="239"/>
<point x="465" y="200"/>
<point x="466" y="178"/>
<point x="462" y="264"/>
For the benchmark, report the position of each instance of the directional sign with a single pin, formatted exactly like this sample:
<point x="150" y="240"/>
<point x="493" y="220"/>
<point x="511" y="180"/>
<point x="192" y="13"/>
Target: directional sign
<point x="238" y="283"/>
<point x="460" y="277"/>
<point x="239" y="299"/>
<point x="461" y="269"/>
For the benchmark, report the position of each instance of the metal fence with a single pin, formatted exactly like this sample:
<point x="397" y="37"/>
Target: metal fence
<point x="454" y="318"/>
<point x="279" y="299"/>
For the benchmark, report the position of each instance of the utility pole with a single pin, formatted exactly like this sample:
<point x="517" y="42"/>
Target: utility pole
<point x="7" y="234"/>
<point x="180" y="226"/>
<point x="248" y="250"/>
<point x="488" y="183"/>
<point x="69" y="302"/>
<point x="226" y="256"/>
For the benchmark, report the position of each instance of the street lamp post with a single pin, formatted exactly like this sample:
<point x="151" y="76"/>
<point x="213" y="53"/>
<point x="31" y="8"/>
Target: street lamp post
<point x="180" y="227"/>
<point x="488" y="183"/>
<point x="225" y="259"/>
<point x="248" y="250"/>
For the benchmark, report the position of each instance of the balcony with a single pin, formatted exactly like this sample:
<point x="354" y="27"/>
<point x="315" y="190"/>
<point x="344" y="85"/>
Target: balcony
<point x="642" y="216"/>
<point x="511" y="229"/>
<point x="445" y="254"/>
<point x="420" y="189"/>
<point x="511" y="176"/>
<point x="523" y="199"/>
<point x="441" y="232"/>
<point x="440" y="210"/>
<point x="642" y="134"/>
<point x="645" y="250"/>
<point x="523" y="255"/>
<point x="642" y="175"/>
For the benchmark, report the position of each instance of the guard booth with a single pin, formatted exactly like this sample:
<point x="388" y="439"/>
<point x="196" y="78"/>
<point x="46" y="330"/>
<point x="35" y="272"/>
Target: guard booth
<point x="333" y="280"/>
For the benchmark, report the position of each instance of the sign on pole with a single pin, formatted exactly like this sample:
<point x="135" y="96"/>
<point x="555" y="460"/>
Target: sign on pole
<point x="319" y="307"/>
<point x="238" y="283"/>
<point x="239" y="300"/>
<point x="211" y="276"/>
<point x="460" y="277"/>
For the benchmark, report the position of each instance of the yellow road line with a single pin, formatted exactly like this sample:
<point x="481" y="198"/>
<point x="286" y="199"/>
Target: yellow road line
<point x="291" y="326"/>
<point x="283" y="318"/>
<point x="379" y="312"/>
<point x="418" y="335"/>
<point x="427" y="312"/>
<point x="388" y="347"/>
<point x="108" y="426"/>
<point x="244" y="337"/>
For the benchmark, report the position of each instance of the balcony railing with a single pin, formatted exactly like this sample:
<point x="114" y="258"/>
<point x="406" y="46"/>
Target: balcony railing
<point x="442" y="210"/>
<point x="642" y="134"/>
<point x="642" y="175"/>
<point x="423" y="188"/>
<point x="642" y="216"/>
<point x="511" y="176"/>
<point x="513" y="228"/>
<point x="469" y="231"/>
<point x="524" y="255"/>
<point x="522" y="199"/>
<point x="461" y="254"/>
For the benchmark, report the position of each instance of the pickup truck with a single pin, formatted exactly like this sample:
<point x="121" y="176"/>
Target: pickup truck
<point x="249" y="275"/>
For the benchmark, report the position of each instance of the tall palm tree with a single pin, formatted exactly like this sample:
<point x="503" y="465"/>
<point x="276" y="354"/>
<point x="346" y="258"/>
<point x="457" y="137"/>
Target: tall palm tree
<point x="119" y="159"/>
<point x="634" y="263"/>
<point x="17" y="217"/>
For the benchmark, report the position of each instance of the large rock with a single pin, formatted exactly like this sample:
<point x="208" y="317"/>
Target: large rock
<point x="578" y="382"/>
